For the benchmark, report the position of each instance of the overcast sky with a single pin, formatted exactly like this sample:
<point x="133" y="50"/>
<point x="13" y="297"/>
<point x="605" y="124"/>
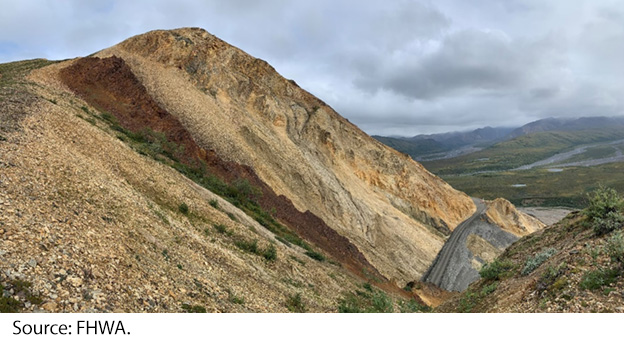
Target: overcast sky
<point x="393" y="67"/>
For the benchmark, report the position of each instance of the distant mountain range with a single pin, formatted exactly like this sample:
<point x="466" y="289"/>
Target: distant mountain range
<point x="453" y="144"/>
<point x="567" y="124"/>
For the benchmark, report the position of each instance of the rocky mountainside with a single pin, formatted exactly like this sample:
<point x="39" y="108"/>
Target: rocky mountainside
<point x="242" y="109"/>
<point x="174" y="171"/>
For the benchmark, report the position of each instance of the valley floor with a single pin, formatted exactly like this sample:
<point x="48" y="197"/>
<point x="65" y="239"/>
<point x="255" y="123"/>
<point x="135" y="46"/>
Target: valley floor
<point x="547" y="215"/>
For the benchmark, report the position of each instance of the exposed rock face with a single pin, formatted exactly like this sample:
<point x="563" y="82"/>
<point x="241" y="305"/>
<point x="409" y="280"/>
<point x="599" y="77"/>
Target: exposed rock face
<point x="109" y="85"/>
<point x="389" y="206"/>
<point x="502" y="213"/>
<point x="97" y="224"/>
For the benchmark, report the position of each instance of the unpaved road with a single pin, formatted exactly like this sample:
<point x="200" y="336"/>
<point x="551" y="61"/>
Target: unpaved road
<point x="438" y="269"/>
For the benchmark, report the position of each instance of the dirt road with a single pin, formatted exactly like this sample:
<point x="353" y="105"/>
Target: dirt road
<point x="438" y="269"/>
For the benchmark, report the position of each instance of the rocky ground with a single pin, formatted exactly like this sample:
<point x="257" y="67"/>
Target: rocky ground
<point x="87" y="224"/>
<point x="564" y="268"/>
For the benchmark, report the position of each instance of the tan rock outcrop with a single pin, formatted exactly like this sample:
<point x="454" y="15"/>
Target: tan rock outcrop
<point x="389" y="206"/>
<point x="502" y="213"/>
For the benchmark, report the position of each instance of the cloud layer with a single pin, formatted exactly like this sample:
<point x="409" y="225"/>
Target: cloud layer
<point x="393" y="67"/>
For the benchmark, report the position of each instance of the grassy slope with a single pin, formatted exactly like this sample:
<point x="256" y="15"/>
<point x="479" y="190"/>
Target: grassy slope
<point x="564" y="282"/>
<point x="11" y="74"/>
<point x="14" y="94"/>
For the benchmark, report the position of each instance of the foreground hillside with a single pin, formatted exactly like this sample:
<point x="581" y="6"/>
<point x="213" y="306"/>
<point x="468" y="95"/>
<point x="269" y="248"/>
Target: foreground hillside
<point x="175" y="172"/>
<point x="89" y="224"/>
<point x="575" y="265"/>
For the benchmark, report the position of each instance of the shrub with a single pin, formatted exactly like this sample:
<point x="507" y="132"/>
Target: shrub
<point x="615" y="247"/>
<point x="251" y="247"/>
<point x="497" y="270"/>
<point x="235" y="299"/>
<point x="468" y="302"/>
<point x="612" y="221"/>
<point x="550" y="277"/>
<point x="220" y="228"/>
<point x="489" y="289"/>
<point x="369" y="301"/>
<point x="533" y="262"/>
<point x="183" y="207"/>
<point x="270" y="254"/>
<point x="349" y="304"/>
<point x="109" y="118"/>
<point x="193" y="309"/>
<point x="595" y="279"/>
<point x="605" y="210"/>
<point x="214" y="203"/>
<point x="295" y="304"/>
<point x="381" y="303"/>
<point x="315" y="255"/>
<point x="286" y="243"/>
<point x="8" y="304"/>
<point x="412" y="306"/>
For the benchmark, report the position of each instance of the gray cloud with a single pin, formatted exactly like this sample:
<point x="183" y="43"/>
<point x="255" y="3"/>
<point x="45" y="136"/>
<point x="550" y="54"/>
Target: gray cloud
<point x="392" y="67"/>
<point x="465" y="60"/>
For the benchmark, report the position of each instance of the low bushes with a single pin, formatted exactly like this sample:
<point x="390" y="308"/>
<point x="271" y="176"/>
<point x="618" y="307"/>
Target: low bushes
<point x="497" y="270"/>
<point x="533" y="262"/>
<point x="605" y="209"/>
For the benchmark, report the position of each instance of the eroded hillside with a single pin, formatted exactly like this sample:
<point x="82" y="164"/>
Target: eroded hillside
<point x="382" y="201"/>
<point x="175" y="172"/>
<point x="92" y="225"/>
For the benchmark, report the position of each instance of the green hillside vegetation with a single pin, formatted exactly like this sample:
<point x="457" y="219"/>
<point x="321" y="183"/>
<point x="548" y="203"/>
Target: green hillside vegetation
<point x="522" y="150"/>
<point x="572" y="266"/>
<point x="13" y="72"/>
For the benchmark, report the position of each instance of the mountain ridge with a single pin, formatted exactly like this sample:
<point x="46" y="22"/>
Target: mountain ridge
<point x="306" y="132"/>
